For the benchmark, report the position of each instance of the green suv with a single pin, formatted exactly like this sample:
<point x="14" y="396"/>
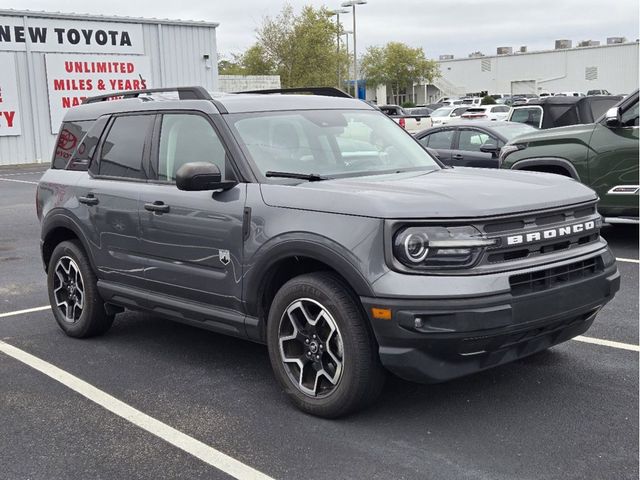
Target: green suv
<point x="602" y="155"/>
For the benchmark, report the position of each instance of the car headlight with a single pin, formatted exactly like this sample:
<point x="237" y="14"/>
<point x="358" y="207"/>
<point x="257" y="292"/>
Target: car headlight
<point x="508" y="150"/>
<point x="432" y="248"/>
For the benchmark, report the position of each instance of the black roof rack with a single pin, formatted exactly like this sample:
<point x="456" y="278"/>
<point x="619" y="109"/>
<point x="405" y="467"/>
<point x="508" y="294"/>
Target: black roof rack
<point x="323" y="91"/>
<point x="184" y="93"/>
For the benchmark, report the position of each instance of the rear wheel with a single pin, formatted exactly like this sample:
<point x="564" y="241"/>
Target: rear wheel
<point x="322" y="351"/>
<point x="73" y="292"/>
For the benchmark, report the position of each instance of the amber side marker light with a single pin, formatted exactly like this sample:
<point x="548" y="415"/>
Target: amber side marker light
<point x="381" y="313"/>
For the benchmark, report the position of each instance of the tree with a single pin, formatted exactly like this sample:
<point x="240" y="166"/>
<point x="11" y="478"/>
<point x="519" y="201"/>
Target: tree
<point x="398" y="66"/>
<point x="231" y="67"/>
<point x="488" y="100"/>
<point x="301" y="48"/>
<point x="254" y="61"/>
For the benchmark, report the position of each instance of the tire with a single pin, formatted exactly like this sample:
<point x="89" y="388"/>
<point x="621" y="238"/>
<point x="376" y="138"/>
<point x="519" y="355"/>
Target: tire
<point x="73" y="292"/>
<point x="342" y="358"/>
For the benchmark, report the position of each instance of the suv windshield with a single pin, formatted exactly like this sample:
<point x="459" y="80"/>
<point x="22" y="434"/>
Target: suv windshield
<point x="330" y="143"/>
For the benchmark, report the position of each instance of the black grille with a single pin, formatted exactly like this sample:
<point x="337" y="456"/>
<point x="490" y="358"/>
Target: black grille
<point x="552" y="277"/>
<point x="538" y="222"/>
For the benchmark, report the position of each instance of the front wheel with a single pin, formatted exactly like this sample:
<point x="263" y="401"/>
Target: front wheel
<point x="73" y="292"/>
<point x="322" y="351"/>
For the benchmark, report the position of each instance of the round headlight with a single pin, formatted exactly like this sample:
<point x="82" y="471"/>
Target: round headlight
<point x="416" y="247"/>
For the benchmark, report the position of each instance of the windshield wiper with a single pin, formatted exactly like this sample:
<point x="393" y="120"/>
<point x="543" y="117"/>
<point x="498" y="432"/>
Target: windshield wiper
<point x="311" y="177"/>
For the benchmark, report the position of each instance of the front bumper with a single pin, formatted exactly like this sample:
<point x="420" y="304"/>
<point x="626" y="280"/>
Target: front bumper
<point x="432" y="340"/>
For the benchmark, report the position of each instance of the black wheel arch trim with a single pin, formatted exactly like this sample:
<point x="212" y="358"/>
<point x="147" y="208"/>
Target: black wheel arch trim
<point x="56" y="219"/>
<point x="315" y="247"/>
<point x="543" y="161"/>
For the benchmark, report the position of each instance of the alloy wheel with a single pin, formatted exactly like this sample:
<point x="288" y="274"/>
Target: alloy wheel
<point x="68" y="289"/>
<point x="311" y="348"/>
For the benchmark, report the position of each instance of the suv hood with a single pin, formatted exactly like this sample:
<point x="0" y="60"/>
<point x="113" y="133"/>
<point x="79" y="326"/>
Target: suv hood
<point x="556" y="134"/>
<point x="446" y="193"/>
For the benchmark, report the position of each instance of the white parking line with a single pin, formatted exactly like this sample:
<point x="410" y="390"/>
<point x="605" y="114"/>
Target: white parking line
<point x="28" y="310"/>
<point x="17" y="181"/>
<point x="204" y="452"/>
<point x="608" y="343"/>
<point x="628" y="260"/>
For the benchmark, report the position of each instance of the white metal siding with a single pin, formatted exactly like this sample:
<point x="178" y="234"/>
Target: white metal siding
<point x="176" y="54"/>
<point x="553" y="71"/>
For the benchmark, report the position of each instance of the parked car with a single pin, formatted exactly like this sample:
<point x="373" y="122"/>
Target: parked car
<point x="246" y="218"/>
<point x="486" y="112"/>
<point x="471" y="144"/>
<point x="569" y="94"/>
<point x="444" y="115"/>
<point x="419" y="111"/>
<point x="410" y="122"/>
<point x="598" y="92"/>
<point x="471" y="101"/>
<point x="446" y="99"/>
<point x="451" y="102"/>
<point x="550" y="112"/>
<point x="602" y="155"/>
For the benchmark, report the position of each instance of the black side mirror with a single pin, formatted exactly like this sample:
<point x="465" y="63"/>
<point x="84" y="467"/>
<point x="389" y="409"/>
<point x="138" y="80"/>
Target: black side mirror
<point x="612" y="117"/>
<point x="492" y="149"/>
<point x="199" y="176"/>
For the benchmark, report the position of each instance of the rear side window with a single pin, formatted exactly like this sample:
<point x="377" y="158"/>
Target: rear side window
<point x="440" y="140"/>
<point x="564" y="115"/>
<point x="69" y="138"/>
<point x="530" y="116"/>
<point x="123" y="150"/>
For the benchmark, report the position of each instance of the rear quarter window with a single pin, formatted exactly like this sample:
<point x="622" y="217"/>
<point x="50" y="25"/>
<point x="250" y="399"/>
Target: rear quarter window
<point x="69" y="139"/>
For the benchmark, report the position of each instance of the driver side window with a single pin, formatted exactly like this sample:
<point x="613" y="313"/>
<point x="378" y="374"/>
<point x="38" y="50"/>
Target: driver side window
<point x="187" y="138"/>
<point x="630" y="117"/>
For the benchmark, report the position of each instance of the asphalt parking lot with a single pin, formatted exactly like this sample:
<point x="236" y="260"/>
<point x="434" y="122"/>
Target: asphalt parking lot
<point x="568" y="413"/>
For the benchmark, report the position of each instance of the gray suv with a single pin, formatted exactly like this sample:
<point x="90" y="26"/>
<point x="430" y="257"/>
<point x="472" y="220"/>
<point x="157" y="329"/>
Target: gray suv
<point x="316" y="225"/>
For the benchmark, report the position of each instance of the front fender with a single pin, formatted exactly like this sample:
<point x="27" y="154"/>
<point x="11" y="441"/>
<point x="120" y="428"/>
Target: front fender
<point x="292" y="244"/>
<point x="547" y="161"/>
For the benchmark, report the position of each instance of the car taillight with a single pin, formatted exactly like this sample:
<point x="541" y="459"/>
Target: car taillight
<point x="402" y="123"/>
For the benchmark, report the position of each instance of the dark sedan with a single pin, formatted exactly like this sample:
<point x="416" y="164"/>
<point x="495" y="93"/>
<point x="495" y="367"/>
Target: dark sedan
<point x="471" y="144"/>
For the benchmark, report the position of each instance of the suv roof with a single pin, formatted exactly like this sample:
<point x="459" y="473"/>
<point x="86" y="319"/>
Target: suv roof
<point x="565" y="100"/>
<point x="241" y="102"/>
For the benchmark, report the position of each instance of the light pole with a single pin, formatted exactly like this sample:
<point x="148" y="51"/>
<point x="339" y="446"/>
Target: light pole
<point x="353" y="3"/>
<point x="337" y="13"/>
<point x="346" y="34"/>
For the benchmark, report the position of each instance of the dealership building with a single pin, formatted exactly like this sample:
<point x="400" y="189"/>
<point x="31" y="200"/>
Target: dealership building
<point x="51" y="62"/>
<point x="612" y="66"/>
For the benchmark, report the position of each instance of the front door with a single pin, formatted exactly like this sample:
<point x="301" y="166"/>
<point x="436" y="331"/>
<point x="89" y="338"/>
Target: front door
<point x="192" y="240"/>
<point x="613" y="164"/>
<point x="468" y="149"/>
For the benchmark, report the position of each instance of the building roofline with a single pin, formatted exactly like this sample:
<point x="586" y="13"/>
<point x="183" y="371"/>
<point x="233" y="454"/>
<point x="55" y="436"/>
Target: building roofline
<point x="104" y="18"/>
<point x="553" y="50"/>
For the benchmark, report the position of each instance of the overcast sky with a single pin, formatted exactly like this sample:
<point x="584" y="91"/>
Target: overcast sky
<point x="438" y="26"/>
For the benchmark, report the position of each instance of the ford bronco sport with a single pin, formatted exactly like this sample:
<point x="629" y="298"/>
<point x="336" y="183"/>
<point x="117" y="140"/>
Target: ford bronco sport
<point x="316" y="225"/>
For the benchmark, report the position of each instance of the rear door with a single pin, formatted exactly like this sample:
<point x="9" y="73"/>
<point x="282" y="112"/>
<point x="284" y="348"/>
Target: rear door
<point x="193" y="241"/>
<point x="467" y="149"/>
<point x="441" y="141"/>
<point x="108" y="199"/>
